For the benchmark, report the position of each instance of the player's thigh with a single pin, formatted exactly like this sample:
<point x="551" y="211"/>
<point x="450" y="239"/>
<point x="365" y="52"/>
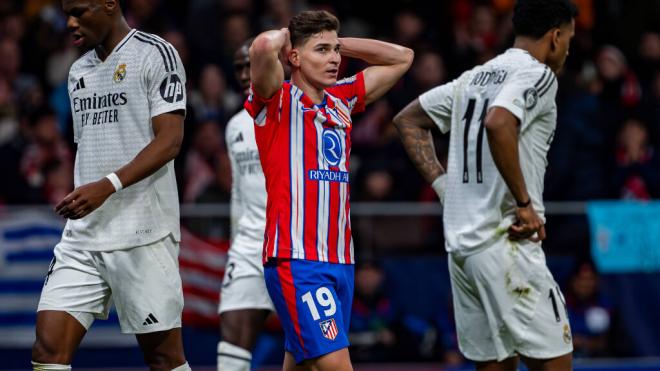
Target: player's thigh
<point x="58" y="335"/>
<point x="338" y="360"/>
<point x="541" y="328"/>
<point x="509" y="364"/>
<point x="516" y="290"/>
<point x="146" y="286"/>
<point x="74" y="293"/>
<point x="242" y="327"/>
<point x="163" y="349"/>
<point x="309" y="301"/>
<point x="561" y="363"/>
<point x="478" y="338"/>
<point x="243" y="286"/>
<point x="74" y="283"/>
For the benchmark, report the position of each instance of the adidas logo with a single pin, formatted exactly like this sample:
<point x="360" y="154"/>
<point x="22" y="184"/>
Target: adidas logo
<point x="239" y="138"/>
<point x="150" y="320"/>
<point x="80" y="84"/>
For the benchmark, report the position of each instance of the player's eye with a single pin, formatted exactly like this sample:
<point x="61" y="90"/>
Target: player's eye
<point x="76" y="12"/>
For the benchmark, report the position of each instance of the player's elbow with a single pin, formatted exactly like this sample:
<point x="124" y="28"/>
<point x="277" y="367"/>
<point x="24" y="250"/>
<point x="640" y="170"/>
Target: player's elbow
<point x="401" y="120"/>
<point x="263" y="44"/>
<point x="408" y="55"/>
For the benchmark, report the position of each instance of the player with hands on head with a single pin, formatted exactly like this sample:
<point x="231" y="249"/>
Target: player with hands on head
<point x="302" y="129"/>
<point x="121" y="239"/>
<point x="501" y="117"/>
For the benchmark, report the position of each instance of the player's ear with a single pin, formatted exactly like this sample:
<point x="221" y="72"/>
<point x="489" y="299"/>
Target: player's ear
<point x="294" y="57"/>
<point x="555" y="34"/>
<point x="111" y="6"/>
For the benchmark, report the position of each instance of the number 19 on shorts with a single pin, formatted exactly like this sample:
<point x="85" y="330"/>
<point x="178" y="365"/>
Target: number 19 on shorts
<point x="324" y="300"/>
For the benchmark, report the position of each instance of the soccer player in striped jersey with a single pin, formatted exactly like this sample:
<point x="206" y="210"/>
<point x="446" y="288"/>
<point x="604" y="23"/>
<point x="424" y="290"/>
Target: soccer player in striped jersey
<point x="501" y="117"/>
<point x="121" y="239"/>
<point x="302" y="129"/>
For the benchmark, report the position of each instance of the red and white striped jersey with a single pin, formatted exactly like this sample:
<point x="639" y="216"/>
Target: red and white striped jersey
<point x="304" y="150"/>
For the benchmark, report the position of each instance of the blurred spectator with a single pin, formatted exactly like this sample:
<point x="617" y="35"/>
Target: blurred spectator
<point x="38" y="160"/>
<point x="594" y="322"/>
<point x="637" y="171"/>
<point x="203" y="162"/>
<point x="372" y="334"/>
<point x="213" y="101"/>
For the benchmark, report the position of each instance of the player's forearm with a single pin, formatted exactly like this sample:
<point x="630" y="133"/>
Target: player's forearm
<point x="269" y="42"/>
<point x="161" y="150"/>
<point x="503" y="142"/>
<point x="376" y="52"/>
<point x="418" y="143"/>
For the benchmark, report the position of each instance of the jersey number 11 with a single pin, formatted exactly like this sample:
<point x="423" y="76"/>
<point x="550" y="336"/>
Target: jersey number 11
<point x="469" y="113"/>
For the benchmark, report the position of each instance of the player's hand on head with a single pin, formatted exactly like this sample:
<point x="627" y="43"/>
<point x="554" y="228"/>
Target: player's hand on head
<point x="527" y="225"/>
<point x="84" y="199"/>
<point x="286" y="48"/>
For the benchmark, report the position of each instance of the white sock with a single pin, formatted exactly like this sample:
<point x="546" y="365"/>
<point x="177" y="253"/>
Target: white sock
<point x="36" y="366"/>
<point x="183" y="367"/>
<point x="233" y="358"/>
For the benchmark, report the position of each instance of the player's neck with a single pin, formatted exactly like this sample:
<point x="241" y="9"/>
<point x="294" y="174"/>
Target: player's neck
<point x="534" y="47"/>
<point x="313" y="93"/>
<point x="116" y="34"/>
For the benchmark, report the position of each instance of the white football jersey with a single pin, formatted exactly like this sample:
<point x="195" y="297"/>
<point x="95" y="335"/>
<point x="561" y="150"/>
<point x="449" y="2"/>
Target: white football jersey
<point x="478" y="205"/>
<point x="248" y="190"/>
<point x="112" y="103"/>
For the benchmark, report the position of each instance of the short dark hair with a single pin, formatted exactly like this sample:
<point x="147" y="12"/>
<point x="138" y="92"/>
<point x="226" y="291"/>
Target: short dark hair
<point x="122" y="4"/>
<point x="309" y="23"/>
<point x="534" y="18"/>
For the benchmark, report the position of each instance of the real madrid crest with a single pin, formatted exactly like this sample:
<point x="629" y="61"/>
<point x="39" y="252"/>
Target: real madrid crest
<point x="120" y="73"/>
<point x="531" y="96"/>
<point x="567" y="334"/>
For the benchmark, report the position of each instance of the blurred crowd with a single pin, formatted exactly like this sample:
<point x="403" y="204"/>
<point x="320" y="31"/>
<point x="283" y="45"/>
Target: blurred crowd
<point x="609" y="96"/>
<point x="605" y="146"/>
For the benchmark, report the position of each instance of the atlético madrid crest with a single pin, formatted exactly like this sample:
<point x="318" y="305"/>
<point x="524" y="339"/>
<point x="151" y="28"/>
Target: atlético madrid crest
<point x="120" y="73"/>
<point x="329" y="329"/>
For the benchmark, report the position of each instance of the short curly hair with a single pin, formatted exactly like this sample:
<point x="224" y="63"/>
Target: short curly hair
<point x="311" y="22"/>
<point x="534" y="18"/>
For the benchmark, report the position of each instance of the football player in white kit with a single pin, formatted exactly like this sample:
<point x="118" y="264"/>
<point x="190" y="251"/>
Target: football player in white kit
<point x="244" y="300"/>
<point x="501" y="117"/>
<point x="121" y="240"/>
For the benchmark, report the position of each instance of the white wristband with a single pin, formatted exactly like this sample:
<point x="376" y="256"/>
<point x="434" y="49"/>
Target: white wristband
<point x="439" y="185"/>
<point x="114" y="179"/>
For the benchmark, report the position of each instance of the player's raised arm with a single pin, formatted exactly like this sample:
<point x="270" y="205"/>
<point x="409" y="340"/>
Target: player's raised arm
<point x="266" y="70"/>
<point x="389" y="62"/>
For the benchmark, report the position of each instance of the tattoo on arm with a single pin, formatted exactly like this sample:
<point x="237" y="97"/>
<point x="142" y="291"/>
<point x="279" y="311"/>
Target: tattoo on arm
<point x="418" y="143"/>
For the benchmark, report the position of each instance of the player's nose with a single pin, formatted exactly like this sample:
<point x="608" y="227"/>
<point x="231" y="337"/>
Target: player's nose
<point x="72" y="23"/>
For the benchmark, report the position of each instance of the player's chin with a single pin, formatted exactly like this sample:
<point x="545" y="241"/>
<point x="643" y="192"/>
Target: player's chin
<point x="330" y="81"/>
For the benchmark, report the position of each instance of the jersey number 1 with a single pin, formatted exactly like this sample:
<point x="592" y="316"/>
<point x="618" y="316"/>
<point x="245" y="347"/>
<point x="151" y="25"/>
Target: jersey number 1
<point x="469" y="113"/>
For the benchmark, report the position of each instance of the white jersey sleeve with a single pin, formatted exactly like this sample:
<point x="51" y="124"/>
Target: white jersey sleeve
<point x="165" y="80"/>
<point x="438" y="103"/>
<point x="526" y="93"/>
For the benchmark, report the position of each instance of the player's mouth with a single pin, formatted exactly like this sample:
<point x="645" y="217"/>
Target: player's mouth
<point x="332" y="72"/>
<point x="78" y="39"/>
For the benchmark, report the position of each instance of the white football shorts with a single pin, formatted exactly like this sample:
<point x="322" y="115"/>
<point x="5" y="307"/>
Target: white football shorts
<point x="506" y="302"/>
<point x="243" y="286"/>
<point x="143" y="282"/>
